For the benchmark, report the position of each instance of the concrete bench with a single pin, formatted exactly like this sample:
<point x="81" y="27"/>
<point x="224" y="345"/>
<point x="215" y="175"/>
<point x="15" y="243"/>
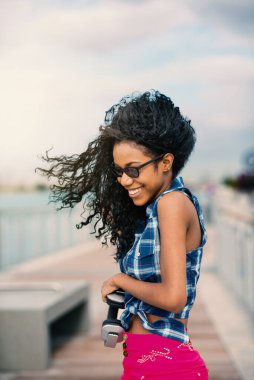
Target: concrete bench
<point x="31" y="313"/>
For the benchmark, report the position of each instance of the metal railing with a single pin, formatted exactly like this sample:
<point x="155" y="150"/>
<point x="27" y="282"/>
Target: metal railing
<point x="26" y="233"/>
<point x="234" y="234"/>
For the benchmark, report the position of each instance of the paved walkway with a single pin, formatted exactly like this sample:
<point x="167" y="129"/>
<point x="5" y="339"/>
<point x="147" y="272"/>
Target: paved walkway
<point x="84" y="357"/>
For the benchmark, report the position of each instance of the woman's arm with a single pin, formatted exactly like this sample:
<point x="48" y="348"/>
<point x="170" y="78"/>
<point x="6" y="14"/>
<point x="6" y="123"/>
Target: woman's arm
<point x="170" y="294"/>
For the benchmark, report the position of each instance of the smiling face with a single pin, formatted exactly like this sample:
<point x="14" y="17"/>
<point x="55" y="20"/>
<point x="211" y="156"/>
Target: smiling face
<point x="153" y="179"/>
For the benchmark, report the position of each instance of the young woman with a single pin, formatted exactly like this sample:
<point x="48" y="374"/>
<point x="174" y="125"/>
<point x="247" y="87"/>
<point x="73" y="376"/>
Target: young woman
<point x="129" y="176"/>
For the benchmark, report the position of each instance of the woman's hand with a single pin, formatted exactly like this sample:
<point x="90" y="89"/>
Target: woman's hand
<point x="110" y="285"/>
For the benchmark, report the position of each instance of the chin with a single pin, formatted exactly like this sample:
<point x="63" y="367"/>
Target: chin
<point x="140" y="202"/>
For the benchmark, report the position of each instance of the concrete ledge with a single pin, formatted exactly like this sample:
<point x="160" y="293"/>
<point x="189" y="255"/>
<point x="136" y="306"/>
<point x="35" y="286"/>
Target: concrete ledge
<point x="27" y="316"/>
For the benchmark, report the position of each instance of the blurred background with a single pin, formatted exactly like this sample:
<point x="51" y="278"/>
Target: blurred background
<point x="63" y="64"/>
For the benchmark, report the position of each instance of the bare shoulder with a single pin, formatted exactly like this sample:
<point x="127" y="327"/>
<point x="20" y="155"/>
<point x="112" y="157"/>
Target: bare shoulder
<point x="174" y="198"/>
<point x="175" y="204"/>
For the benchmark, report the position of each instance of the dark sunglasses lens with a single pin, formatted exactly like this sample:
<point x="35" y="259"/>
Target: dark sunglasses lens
<point x="117" y="171"/>
<point x="131" y="172"/>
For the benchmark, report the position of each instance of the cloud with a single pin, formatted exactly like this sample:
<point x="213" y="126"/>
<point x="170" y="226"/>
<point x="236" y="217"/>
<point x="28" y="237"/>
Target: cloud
<point x="113" y="25"/>
<point x="63" y="64"/>
<point x="232" y="17"/>
<point x="100" y="27"/>
<point x="103" y="27"/>
<point x="219" y="89"/>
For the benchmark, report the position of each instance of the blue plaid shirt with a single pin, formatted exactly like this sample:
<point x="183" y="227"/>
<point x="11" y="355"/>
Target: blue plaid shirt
<point x="142" y="262"/>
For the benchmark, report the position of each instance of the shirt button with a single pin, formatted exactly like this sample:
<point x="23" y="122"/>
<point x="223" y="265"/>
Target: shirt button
<point x="138" y="254"/>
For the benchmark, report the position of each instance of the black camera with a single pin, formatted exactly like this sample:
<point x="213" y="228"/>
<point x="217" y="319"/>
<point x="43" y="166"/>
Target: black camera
<point x="112" y="329"/>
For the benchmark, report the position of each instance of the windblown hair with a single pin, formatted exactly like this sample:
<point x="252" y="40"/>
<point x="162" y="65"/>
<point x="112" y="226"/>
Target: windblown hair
<point x="150" y="120"/>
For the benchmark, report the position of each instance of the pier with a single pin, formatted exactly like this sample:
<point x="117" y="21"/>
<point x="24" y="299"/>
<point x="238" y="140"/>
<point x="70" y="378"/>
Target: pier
<point x="84" y="357"/>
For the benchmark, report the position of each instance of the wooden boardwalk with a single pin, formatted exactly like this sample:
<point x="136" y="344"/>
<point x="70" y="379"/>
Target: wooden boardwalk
<point x="84" y="357"/>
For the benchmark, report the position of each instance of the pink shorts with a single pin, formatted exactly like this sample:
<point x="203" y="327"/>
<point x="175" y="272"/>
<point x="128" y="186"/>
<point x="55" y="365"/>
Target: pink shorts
<point x="152" y="356"/>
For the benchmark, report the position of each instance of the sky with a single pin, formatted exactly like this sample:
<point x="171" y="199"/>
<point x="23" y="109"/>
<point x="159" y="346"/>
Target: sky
<point x="63" y="64"/>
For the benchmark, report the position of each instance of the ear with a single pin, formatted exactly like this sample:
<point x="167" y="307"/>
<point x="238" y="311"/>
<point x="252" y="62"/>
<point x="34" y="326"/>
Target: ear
<point x="167" y="162"/>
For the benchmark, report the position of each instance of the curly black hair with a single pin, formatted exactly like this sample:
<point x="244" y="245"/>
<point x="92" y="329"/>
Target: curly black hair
<point x="150" y="120"/>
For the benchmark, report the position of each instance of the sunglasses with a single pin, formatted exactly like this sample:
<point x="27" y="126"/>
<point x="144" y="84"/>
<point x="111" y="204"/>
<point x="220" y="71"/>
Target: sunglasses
<point x="132" y="171"/>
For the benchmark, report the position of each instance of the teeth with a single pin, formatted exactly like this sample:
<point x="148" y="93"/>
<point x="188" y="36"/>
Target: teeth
<point x="135" y="191"/>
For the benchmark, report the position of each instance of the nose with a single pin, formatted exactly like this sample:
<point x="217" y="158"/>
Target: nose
<point x="125" y="180"/>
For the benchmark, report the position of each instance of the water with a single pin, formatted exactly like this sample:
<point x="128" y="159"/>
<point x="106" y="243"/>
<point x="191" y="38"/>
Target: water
<point x="23" y="200"/>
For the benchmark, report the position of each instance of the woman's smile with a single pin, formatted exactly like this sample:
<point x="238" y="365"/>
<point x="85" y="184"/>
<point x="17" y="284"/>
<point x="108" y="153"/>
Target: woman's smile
<point x="135" y="192"/>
